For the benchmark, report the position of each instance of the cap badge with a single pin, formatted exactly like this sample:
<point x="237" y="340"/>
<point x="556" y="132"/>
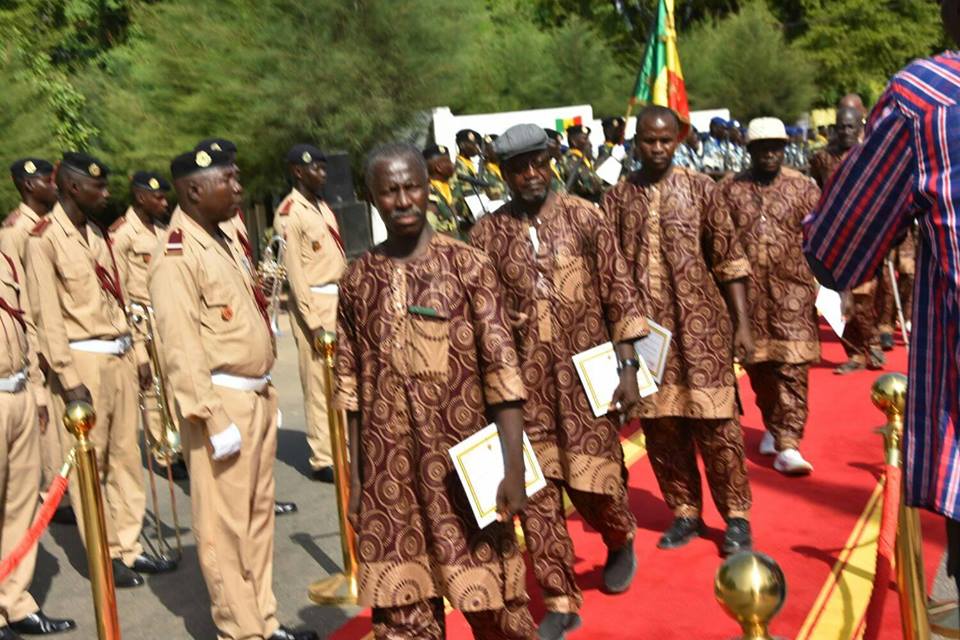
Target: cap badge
<point x="154" y="183"/>
<point x="94" y="169"/>
<point x="306" y="157"/>
<point x="442" y="149"/>
<point x="203" y="159"/>
<point x="29" y="167"/>
<point x="216" y="146"/>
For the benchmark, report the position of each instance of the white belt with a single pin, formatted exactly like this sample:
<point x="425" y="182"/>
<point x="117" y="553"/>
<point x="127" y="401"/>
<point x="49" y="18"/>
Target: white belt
<point x="116" y="347"/>
<point x="15" y="383"/>
<point x="331" y="289"/>
<point x="240" y="383"/>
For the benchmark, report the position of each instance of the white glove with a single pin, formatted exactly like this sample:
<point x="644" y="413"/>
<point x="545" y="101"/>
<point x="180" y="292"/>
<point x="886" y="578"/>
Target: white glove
<point x="226" y="443"/>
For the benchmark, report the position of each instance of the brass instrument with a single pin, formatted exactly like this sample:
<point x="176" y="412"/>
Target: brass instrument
<point x="272" y="274"/>
<point x="169" y="448"/>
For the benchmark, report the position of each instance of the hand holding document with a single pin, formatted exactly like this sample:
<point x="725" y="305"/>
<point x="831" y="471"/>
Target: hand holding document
<point x="654" y="348"/>
<point x="479" y="464"/>
<point x="597" y="368"/>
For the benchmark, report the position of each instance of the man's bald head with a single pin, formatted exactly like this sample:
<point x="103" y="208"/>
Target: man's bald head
<point x="852" y="101"/>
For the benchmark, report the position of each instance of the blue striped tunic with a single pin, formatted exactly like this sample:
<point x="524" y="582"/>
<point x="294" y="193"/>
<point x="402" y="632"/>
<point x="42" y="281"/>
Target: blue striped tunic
<point x="908" y="168"/>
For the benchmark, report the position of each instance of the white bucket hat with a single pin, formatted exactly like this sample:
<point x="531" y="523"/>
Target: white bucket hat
<point x="766" y="129"/>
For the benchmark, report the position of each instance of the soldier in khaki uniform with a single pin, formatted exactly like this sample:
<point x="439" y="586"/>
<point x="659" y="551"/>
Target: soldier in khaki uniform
<point x="219" y="350"/>
<point x="33" y="178"/>
<point x="135" y="237"/>
<point x="78" y="303"/>
<point x="314" y="258"/>
<point x="22" y="405"/>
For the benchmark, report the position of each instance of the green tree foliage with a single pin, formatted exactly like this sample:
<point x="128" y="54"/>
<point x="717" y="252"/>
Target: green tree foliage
<point x="857" y="45"/>
<point x="744" y="63"/>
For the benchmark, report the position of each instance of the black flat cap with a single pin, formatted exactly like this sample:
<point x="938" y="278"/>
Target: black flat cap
<point x="304" y="154"/>
<point x="86" y="164"/>
<point x="27" y="167"/>
<point x="195" y="161"/>
<point x="149" y="180"/>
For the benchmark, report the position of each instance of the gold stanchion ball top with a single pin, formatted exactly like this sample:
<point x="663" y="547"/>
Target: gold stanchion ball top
<point x="79" y="418"/>
<point x="889" y="393"/>
<point x="750" y="587"/>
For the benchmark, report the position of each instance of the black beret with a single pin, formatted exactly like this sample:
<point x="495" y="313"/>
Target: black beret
<point x="85" y="164"/>
<point x="468" y="135"/>
<point x="553" y="134"/>
<point x="216" y="144"/>
<point x="149" y="180"/>
<point x="27" y="167"/>
<point x="195" y="161"/>
<point x="304" y="154"/>
<point x="574" y="129"/>
<point x="490" y="138"/>
<point x="613" y="121"/>
<point x="435" y="150"/>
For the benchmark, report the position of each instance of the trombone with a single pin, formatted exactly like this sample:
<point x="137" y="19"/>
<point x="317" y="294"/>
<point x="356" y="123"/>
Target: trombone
<point x="169" y="448"/>
<point x="272" y="273"/>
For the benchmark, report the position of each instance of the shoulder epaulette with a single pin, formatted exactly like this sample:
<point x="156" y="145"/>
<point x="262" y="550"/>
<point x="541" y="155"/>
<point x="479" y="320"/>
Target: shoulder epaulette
<point x="41" y="226"/>
<point x="174" y="243"/>
<point x="11" y="219"/>
<point x="117" y="223"/>
<point x="285" y="209"/>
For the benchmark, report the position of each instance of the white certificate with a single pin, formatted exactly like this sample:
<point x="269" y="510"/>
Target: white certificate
<point x="480" y="205"/>
<point x="609" y="170"/>
<point x="654" y="348"/>
<point x="479" y="463"/>
<point x="597" y="368"/>
<point x="830" y="306"/>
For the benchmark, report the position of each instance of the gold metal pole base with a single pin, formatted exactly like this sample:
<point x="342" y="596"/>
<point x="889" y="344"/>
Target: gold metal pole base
<point x="337" y="589"/>
<point x="945" y="619"/>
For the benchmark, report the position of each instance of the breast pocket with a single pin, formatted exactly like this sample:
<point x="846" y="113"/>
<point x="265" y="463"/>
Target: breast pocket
<point x="218" y="314"/>
<point x="428" y="345"/>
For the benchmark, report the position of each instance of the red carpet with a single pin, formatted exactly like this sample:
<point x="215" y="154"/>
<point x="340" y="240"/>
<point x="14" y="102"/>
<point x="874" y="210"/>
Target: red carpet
<point x="804" y="524"/>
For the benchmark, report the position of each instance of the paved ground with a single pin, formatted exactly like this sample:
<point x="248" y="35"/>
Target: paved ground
<point x="176" y="605"/>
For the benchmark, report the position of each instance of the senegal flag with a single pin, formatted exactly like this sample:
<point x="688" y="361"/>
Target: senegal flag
<point x="660" y="80"/>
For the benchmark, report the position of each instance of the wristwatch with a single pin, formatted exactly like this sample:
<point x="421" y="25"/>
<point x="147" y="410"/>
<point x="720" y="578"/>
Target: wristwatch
<point x="627" y="362"/>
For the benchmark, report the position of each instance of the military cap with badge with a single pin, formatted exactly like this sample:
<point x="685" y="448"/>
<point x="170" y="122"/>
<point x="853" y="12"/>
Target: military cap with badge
<point x="196" y="161"/>
<point x="85" y="164"/>
<point x="29" y="167"/>
<point x="434" y="151"/>
<point x="150" y="181"/>
<point x="305" y="154"/>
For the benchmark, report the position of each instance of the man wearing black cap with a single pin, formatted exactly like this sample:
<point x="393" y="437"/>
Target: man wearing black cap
<point x="490" y="170"/>
<point x="555" y="150"/>
<point x="447" y="211"/>
<point x="613" y="132"/>
<point x="314" y="258"/>
<point x="79" y="304"/>
<point x="33" y="178"/>
<point x="135" y="236"/>
<point x="236" y="227"/>
<point x="578" y="171"/>
<point x="219" y="349"/>
<point x="567" y="290"/>
<point x="468" y="145"/>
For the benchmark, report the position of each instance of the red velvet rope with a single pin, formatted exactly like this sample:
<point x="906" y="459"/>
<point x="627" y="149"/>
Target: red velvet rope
<point x="44" y="515"/>
<point x="885" y="553"/>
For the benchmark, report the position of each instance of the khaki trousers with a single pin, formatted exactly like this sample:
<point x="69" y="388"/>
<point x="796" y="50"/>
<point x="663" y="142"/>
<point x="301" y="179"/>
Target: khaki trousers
<point x="232" y="502"/>
<point x="19" y="484"/>
<point x="781" y="391"/>
<point x="673" y="444"/>
<point x="52" y="445"/>
<point x="112" y="381"/>
<point x="424" y="621"/>
<point x="314" y="393"/>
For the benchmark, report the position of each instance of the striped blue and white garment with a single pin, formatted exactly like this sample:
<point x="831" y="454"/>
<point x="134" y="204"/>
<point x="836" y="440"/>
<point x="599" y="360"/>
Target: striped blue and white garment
<point x="908" y="167"/>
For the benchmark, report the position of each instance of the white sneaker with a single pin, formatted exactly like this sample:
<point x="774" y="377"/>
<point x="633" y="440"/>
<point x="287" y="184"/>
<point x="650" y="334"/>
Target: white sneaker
<point x="791" y="463"/>
<point x="768" y="446"/>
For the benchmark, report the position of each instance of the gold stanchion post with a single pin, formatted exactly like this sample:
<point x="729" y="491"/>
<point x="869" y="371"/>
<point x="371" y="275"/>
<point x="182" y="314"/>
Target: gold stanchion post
<point x="751" y="588"/>
<point x="340" y="588"/>
<point x="79" y="418"/>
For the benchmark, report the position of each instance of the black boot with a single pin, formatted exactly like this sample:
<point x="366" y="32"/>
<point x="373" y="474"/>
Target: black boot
<point x="40" y="624"/>
<point x="619" y="569"/>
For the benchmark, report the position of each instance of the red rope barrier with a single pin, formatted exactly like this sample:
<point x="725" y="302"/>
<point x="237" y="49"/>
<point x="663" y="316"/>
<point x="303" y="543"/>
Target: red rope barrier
<point x="885" y="553"/>
<point x="55" y="494"/>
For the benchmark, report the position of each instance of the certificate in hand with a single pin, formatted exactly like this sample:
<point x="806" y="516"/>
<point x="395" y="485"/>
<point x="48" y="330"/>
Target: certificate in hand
<point x="653" y="349"/>
<point x="597" y="368"/>
<point x="479" y="463"/>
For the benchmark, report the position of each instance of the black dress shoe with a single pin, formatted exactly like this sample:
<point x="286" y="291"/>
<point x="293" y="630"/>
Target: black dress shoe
<point x="124" y="577"/>
<point x="886" y="341"/>
<point x="6" y="633"/>
<point x="324" y="474"/>
<point x="65" y="515"/>
<point x="145" y="563"/>
<point x="737" y="538"/>
<point x="283" y="508"/>
<point x="288" y="634"/>
<point x="681" y="531"/>
<point x="555" y="625"/>
<point x="619" y="569"/>
<point x="39" y="624"/>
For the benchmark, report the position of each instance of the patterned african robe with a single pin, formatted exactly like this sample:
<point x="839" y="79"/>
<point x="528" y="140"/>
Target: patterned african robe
<point x="423" y="348"/>
<point x="678" y="247"/>
<point x="571" y="294"/>
<point x="781" y="289"/>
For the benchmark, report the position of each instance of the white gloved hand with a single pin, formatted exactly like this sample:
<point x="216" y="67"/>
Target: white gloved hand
<point x="226" y="443"/>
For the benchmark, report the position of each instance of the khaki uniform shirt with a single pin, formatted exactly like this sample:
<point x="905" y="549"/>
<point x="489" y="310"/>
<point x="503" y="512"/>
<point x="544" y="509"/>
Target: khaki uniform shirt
<point x="133" y="245"/>
<point x="208" y="318"/>
<point x="16" y="230"/>
<point x="68" y="301"/>
<point x="18" y="349"/>
<point x="313" y="256"/>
